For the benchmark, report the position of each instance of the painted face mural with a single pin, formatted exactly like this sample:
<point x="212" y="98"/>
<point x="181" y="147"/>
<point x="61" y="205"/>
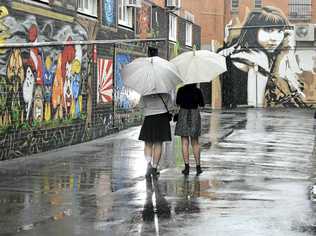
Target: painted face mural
<point x="270" y="38"/>
<point x="38" y="107"/>
<point x="28" y="88"/>
<point x="262" y="69"/>
<point x="15" y="78"/>
<point x="4" y="30"/>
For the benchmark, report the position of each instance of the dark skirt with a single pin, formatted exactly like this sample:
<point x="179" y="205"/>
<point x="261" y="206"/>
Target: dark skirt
<point x="189" y="123"/>
<point x="155" y="128"/>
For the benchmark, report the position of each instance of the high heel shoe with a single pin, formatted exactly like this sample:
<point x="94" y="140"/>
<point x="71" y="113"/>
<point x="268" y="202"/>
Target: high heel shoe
<point x="198" y="170"/>
<point x="186" y="169"/>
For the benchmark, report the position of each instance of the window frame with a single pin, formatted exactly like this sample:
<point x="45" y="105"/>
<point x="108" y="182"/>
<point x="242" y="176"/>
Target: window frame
<point x="188" y="33"/>
<point x="173" y="27"/>
<point x="90" y="10"/>
<point x="127" y="13"/>
<point x="258" y="4"/>
<point x="300" y="6"/>
<point x="234" y="5"/>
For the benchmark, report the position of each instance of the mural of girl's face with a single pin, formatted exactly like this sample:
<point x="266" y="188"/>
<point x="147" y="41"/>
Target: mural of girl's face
<point x="270" y="38"/>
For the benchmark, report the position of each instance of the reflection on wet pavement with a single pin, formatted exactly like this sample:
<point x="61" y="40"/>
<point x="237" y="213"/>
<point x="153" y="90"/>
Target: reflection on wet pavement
<point x="259" y="172"/>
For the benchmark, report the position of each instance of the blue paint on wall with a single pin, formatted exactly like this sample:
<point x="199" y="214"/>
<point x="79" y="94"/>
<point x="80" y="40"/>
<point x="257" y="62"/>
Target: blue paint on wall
<point x="121" y="93"/>
<point x="109" y="16"/>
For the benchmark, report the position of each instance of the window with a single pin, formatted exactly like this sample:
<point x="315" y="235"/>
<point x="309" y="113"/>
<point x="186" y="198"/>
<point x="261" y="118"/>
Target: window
<point x="188" y="34"/>
<point x="235" y="5"/>
<point x="125" y="14"/>
<point x="88" y="7"/>
<point x="300" y="9"/>
<point x="258" y="3"/>
<point x="172" y="27"/>
<point x="188" y="27"/>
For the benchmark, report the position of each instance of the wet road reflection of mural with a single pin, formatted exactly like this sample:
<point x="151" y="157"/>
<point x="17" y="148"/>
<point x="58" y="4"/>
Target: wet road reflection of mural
<point x="258" y="172"/>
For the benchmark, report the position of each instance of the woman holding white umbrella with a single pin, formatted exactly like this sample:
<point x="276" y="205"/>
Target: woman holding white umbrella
<point x="188" y="126"/>
<point x="153" y="78"/>
<point x="195" y="66"/>
<point x="155" y="129"/>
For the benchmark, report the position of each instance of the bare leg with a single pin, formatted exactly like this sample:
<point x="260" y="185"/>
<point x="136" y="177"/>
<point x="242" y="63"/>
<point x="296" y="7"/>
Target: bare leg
<point x="185" y="149"/>
<point x="185" y="155"/>
<point x="157" y="153"/>
<point x="148" y="151"/>
<point x="196" y="151"/>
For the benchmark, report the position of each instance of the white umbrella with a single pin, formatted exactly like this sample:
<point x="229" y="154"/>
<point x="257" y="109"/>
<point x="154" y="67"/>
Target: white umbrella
<point x="199" y="66"/>
<point x="151" y="75"/>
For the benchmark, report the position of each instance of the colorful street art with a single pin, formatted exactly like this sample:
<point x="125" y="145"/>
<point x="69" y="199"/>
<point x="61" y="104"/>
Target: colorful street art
<point x="105" y="80"/>
<point x="109" y="13"/>
<point x="265" y="68"/>
<point x="125" y="98"/>
<point x="143" y="28"/>
<point x="39" y="84"/>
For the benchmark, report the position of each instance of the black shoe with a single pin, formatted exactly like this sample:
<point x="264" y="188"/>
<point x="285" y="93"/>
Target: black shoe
<point x="155" y="172"/>
<point x="186" y="169"/>
<point x="198" y="170"/>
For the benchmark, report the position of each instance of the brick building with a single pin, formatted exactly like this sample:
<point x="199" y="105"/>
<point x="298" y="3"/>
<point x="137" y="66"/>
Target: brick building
<point x="60" y="85"/>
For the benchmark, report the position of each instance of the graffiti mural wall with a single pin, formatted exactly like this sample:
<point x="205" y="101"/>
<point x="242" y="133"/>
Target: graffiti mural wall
<point x="40" y="86"/>
<point x="125" y="98"/>
<point x="126" y="101"/>
<point x="105" y="80"/>
<point x="40" y="83"/>
<point x="265" y="66"/>
<point x="143" y="27"/>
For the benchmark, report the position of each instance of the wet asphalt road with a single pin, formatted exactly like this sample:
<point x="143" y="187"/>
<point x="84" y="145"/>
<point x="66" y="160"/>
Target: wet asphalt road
<point x="258" y="166"/>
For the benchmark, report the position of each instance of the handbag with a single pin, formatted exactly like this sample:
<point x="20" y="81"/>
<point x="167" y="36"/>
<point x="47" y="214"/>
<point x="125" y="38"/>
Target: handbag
<point x="169" y="114"/>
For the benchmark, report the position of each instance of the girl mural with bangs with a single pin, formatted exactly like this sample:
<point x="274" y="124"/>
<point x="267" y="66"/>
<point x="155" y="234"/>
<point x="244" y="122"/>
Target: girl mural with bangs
<point x="262" y="69"/>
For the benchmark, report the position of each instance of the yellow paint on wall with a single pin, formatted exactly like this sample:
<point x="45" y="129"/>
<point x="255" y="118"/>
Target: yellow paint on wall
<point x="80" y="102"/>
<point x="41" y="11"/>
<point x="3" y="11"/>
<point x="73" y="108"/>
<point x="47" y="112"/>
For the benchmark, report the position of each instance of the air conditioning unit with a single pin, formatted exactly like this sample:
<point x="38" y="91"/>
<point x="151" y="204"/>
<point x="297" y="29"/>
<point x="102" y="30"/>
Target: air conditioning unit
<point x="134" y="3"/>
<point x="304" y="32"/>
<point x="173" y="4"/>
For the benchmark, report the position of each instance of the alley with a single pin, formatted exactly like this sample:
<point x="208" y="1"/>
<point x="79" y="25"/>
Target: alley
<point x="259" y="166"/>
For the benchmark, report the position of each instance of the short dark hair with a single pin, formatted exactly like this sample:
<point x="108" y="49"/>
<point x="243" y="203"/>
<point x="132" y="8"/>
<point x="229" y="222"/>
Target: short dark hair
<point x="152" y="52"/>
